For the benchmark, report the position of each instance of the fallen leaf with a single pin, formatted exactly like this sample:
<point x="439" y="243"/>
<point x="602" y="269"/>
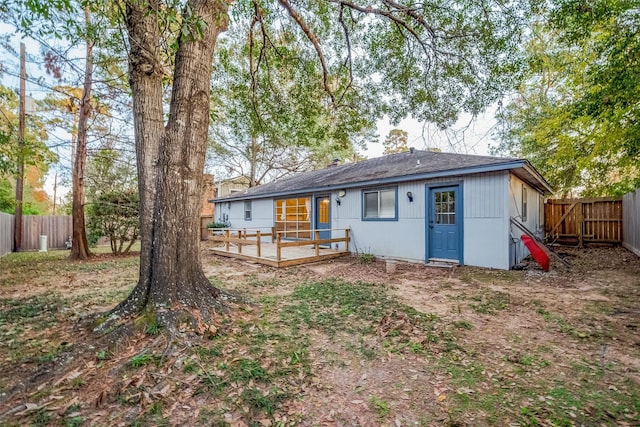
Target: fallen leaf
<point x="102" y="397"/>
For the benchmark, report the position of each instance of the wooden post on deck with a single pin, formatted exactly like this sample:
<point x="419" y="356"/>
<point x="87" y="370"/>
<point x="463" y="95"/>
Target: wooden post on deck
<point x="226" y="241"/>
<point x="278" y="250"/>
<point x="258" y="248"/>
<point x="317" y="246"/>
<point x="273" y="234"/>
<point x="346" y="239"/>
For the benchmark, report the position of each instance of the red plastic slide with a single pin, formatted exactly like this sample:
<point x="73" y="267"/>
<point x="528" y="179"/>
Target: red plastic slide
<point x="536" y="252"/>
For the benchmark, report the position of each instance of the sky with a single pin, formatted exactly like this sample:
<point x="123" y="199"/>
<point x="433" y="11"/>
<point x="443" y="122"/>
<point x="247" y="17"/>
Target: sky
<point x="468" y="135"/>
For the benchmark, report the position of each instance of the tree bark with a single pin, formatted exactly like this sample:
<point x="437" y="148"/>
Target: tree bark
<point x="171" y="163"/>
<point x="145" y="79"/>
<point x="80" y="245"/>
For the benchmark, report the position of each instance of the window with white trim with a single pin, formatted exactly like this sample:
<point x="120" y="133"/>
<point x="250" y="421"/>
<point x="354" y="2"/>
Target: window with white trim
<point x="247" y="210"/>
<point x="379" y="204"/>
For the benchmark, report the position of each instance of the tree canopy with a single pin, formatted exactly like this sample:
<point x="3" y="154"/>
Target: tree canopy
<point x="576" y="114"/>
<point x="396" y="141"/>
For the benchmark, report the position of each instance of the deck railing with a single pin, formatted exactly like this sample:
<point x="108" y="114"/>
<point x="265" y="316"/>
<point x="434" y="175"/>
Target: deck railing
<point x="255" y="236"/>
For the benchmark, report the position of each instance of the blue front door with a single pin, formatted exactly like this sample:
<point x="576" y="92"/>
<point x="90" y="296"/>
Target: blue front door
<point x="445" y="222"/>
<point x="323" y="216"/>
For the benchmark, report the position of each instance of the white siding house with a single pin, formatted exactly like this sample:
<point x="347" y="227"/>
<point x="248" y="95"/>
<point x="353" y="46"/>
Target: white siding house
<point x="415" y="206"/>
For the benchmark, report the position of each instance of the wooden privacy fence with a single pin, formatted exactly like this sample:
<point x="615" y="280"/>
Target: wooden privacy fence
<point x="6" y="233"/>
<point x="56" y="228"/>
<point x="631" y="213"/>
<point x="204" y="222"/>
<point x="579" y="221"/>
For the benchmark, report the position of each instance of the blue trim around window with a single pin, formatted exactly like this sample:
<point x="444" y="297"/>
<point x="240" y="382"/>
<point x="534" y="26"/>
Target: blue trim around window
<point x="427" y="212"/>
<point x="368" y="190"/>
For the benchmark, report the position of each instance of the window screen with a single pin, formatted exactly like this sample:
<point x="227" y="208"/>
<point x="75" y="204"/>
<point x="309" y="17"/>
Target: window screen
<point x="379" y="204"/>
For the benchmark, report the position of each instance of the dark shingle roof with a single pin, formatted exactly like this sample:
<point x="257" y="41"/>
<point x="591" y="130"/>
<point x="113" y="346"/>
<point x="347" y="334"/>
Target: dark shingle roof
<point x="391" y="168"/>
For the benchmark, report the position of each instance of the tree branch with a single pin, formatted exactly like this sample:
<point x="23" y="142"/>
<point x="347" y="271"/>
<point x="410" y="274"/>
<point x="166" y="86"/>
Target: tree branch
<point x="348" y="62"/>
<point x="314" y="40"/>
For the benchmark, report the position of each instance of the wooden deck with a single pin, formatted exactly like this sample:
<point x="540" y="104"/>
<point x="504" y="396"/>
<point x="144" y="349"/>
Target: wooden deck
<point x="270" y="248"/>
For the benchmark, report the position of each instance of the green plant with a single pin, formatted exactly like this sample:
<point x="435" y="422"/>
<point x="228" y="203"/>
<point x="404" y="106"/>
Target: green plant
<point x="219" y="224"/>
<point x="380" y="406"/>
<point x="156" y="408"/>
<point x="152" y="329"/>
<point x="490" y="302"/>
<point x="141" y="360"/>
<point x="529" y="417"/>
<point x="257" y="401"/>
<point x="116" y="215"/>
<point x="213" y="382"/>
<point x="462" y="324"/>
<point x="366" y="258"/>
<point x="245" y="370"/>
<point x="40" y="418"/>
<point x="76" y="421"/>
<point x="77" y="382"/>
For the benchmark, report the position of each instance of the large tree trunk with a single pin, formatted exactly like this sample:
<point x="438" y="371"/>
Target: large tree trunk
<point x="80" y="245"/>
<point x="145" y="79"/>
<point x="171" y="164"/>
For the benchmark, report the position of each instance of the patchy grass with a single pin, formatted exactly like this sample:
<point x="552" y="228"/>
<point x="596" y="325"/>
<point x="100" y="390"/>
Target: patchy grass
<point x="490" y="302"/>
<point x="470" y="347"/>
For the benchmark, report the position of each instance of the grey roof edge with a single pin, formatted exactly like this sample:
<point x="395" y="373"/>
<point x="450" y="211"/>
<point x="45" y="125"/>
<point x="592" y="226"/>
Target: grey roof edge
<point x="513" y="164"/>
<point x="546" y="187"/>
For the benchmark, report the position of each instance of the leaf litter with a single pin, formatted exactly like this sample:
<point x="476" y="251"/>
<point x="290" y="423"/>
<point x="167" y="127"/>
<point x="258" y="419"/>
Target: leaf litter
<point x="421" y="346"/>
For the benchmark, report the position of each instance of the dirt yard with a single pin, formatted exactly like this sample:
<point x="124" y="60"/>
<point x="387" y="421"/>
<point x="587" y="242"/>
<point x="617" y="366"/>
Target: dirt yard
<point x="342" y="343"/>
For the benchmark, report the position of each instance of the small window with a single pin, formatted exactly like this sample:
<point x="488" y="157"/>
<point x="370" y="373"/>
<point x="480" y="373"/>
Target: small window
<point x="247" y="210"/>
<point x="379" y="204"/>
<point x="524" y="203"/>
<point x="445" y="207"/>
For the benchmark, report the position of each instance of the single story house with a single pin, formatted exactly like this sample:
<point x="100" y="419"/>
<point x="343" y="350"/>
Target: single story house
<point x="415" y="206"/>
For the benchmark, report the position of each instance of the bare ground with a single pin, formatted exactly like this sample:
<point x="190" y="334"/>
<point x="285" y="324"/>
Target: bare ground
<point x="422" y="346"/>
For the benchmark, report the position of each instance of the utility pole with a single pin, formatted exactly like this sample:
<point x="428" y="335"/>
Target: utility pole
<point x="55" y="191"/>
<point x="17" y="240"/>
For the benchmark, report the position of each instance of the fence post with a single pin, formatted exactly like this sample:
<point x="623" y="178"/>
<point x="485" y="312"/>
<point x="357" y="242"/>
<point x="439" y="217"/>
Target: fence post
<point x="240" y="238"/>
<point x="273" y="234"/>
<point x="316" y="237"/>
<point x="258" y="251"/>
<point x="278" y="249"/>
<point x="346" y="239"/>
<point x="226" y="240"/>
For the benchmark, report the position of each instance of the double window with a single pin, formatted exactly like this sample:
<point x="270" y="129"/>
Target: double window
<point x="379" y="204"/>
